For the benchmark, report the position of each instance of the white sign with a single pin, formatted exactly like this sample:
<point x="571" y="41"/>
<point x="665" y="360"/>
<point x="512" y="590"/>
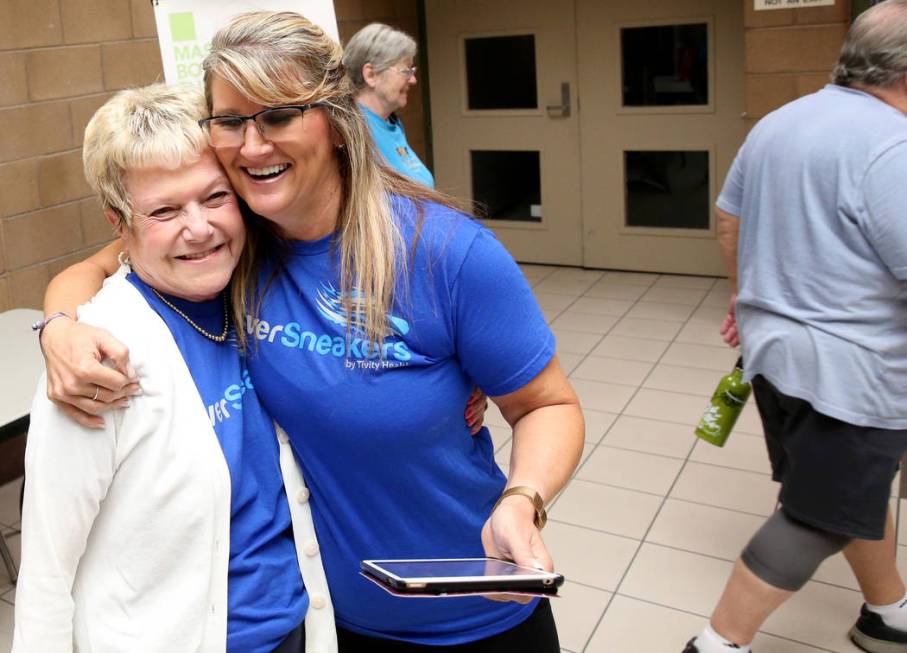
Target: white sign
<point x="762" y="5"/>
<point x="185" y="28"/>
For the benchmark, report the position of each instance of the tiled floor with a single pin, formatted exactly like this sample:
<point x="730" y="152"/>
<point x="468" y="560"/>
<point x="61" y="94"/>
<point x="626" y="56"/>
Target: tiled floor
<point x="647" y="531"/>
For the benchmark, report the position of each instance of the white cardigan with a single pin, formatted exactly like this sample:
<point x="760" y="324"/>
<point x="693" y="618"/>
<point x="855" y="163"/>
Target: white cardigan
<point x="125" y="533"/>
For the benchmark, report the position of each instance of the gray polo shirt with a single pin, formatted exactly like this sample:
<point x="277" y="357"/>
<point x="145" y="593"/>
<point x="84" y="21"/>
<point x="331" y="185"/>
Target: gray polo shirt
<point x="820" y="187"/>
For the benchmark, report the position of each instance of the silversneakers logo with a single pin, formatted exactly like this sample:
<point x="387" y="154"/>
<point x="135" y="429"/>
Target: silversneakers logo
<point x="330" y="304"/>
<point x="353" y="346"/>
<point x="182" y="26"/>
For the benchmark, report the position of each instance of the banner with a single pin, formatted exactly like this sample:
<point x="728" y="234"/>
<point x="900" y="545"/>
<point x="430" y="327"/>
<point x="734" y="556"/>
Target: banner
<point x="761" y="5"/>
<point x="185" y="28"/>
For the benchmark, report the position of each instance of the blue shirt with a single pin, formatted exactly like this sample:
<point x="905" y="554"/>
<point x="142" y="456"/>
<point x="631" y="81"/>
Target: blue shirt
<point x="265" y="594"/>
<point x="390" y="138"/>
<point x="819" y="186"/>
<point x="385" y="450"/>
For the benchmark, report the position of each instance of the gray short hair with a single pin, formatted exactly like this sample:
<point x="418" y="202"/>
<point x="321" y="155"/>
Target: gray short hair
<point x="152" y="126"/>
<point x="875" y="50"/>
<point x="377" y="44"/>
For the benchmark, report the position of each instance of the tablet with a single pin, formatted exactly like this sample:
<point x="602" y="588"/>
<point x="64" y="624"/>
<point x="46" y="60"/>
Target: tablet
<point x="460" y="576"/>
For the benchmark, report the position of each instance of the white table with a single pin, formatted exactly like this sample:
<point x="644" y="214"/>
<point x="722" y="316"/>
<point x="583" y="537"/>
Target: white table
<point x="21" y="364"/>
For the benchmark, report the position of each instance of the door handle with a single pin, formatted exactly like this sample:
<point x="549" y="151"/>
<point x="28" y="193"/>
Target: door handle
<point x="561" y="110"/>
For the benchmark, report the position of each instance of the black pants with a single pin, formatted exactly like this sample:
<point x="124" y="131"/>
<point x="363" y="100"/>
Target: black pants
<point x="294" y="642"/>
<point x="537" y="634"/>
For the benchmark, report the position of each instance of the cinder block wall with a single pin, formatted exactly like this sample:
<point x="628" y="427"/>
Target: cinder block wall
<point x="59" y="61"/>
<point x="790" y="52"/>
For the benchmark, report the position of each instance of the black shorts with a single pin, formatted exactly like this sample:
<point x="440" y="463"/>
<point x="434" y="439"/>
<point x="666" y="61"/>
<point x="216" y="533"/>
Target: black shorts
<point x="834" y="476"/>
<point x="537" y="634"/>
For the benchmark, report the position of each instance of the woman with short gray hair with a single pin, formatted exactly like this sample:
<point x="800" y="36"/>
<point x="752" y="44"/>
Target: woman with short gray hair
<point x="378" y="61"/>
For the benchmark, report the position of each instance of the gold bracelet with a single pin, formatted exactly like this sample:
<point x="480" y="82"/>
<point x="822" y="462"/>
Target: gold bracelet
<point x="541" y="517"/>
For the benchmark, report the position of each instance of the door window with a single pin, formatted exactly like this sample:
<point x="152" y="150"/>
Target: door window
<point x="506" y="184"/>
<point x="665" y="65"/>
<point x="501" y="72"/>
<point x="667" y="189"/>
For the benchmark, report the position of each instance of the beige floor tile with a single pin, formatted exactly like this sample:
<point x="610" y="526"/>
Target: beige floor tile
<point x="500" y="435"/>
<point x="688" y="296"/>
<point x="700" y="333"/>
<point x="688" y="380"/>
<point x="633" y="626"/>
<point x="644" y="279"/>
<point x="749" y="420"/>
<point x="660" y="311"/>
<point x="574" y="273"/>
<point x="611" y="290"/>
<point x="6" y="626"/>
<point x="652" y="329"/>
<point x="607" y="397"/>
<point x="554" y="302"/>
<point x="589" y="557"/>
<point x="631" y="469"/>
<point x="836" y="571"/>
<point x="9" y="502"/>
<point x="902" y="523"/>
<point x="819" y="614"/>
<point x="772" y="644"/>
<point x="576" y="613"/>
<point x="575" y="342"/>
<point x="10" y="596"/>
<point x="556" y="285"/>
<point x="602" y="306"/>
<point x="681" y="281"/>
<point x="709" y="315"/>
<point x="720" y="359"/>
<point x="14" y="542"/>
<point x="636" y="349"/>
<point x="741" y="451"/>
<point x="597" y="424"/>
<point x="896" y="484"/>
<point x="702" y="529"/>
<point x="651" y="436"/>
<point x="612" y="370"/>
<point x="536" y="272"/>
<point x="493" y="416"/>
<point x="717" y="298"/>
<point x="605" y="508"/>
<point x="585" y="322"/>
<point x="569" y="362"/>
<point x="667" y="406"/>
<point x="677" y="579"/>
<point x="722" y="283"/>
<point x="727" y="488"/>
<point x="551" y="314"/>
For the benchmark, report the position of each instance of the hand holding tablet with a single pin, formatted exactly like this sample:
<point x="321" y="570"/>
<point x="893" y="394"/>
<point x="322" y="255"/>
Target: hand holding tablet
<point x="460" y="576"/>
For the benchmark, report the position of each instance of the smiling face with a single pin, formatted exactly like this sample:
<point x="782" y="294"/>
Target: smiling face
<point x="391" y="87"/>
<point x="186" y="232"/>
<point x="290" y="181"/>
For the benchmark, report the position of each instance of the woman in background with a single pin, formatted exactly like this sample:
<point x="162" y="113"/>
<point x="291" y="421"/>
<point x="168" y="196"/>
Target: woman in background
<point x="379" y="63"/>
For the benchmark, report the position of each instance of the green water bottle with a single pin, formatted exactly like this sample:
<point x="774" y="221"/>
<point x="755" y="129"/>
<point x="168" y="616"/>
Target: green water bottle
<point x="724" y="409"/>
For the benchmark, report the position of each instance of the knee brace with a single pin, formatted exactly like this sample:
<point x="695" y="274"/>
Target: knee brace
<point x="785" y="553"/>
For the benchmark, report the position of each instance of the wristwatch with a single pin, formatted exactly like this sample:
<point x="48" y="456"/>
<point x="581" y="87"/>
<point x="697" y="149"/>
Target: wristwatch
<point x="541" y="517"/>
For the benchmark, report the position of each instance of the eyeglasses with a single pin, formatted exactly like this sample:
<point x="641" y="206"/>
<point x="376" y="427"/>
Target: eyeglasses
<point x="273" y="124"/>
<point x="409" y="73"/>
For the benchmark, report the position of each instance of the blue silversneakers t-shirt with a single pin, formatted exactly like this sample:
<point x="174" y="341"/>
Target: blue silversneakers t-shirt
<point x="819" y="186"/>
<point x="386" y="452"/>
<point x="390" y="138"/>
<point x="265" y="594"/>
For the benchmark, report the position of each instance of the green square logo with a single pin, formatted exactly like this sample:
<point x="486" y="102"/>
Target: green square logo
<point x="182" y="26"/>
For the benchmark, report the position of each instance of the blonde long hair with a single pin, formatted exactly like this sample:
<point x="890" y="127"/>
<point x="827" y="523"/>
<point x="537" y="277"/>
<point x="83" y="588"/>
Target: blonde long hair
<point x="277" y="58"/>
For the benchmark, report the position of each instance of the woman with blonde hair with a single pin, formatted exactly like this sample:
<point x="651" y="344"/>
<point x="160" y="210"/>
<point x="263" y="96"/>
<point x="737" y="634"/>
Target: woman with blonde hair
<point x="367" y="325"/>
<point x="169" y="530"/>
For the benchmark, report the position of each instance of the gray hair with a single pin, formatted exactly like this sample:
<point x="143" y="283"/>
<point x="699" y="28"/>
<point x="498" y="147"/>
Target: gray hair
<point x="152" y="126"/>
<point x="377" y="44"/>
<point x="875" y="50"/>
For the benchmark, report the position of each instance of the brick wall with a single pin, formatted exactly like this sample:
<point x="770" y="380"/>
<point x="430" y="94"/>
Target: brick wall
<point x="59" y="61"/>
<point x="790" y="52"/>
